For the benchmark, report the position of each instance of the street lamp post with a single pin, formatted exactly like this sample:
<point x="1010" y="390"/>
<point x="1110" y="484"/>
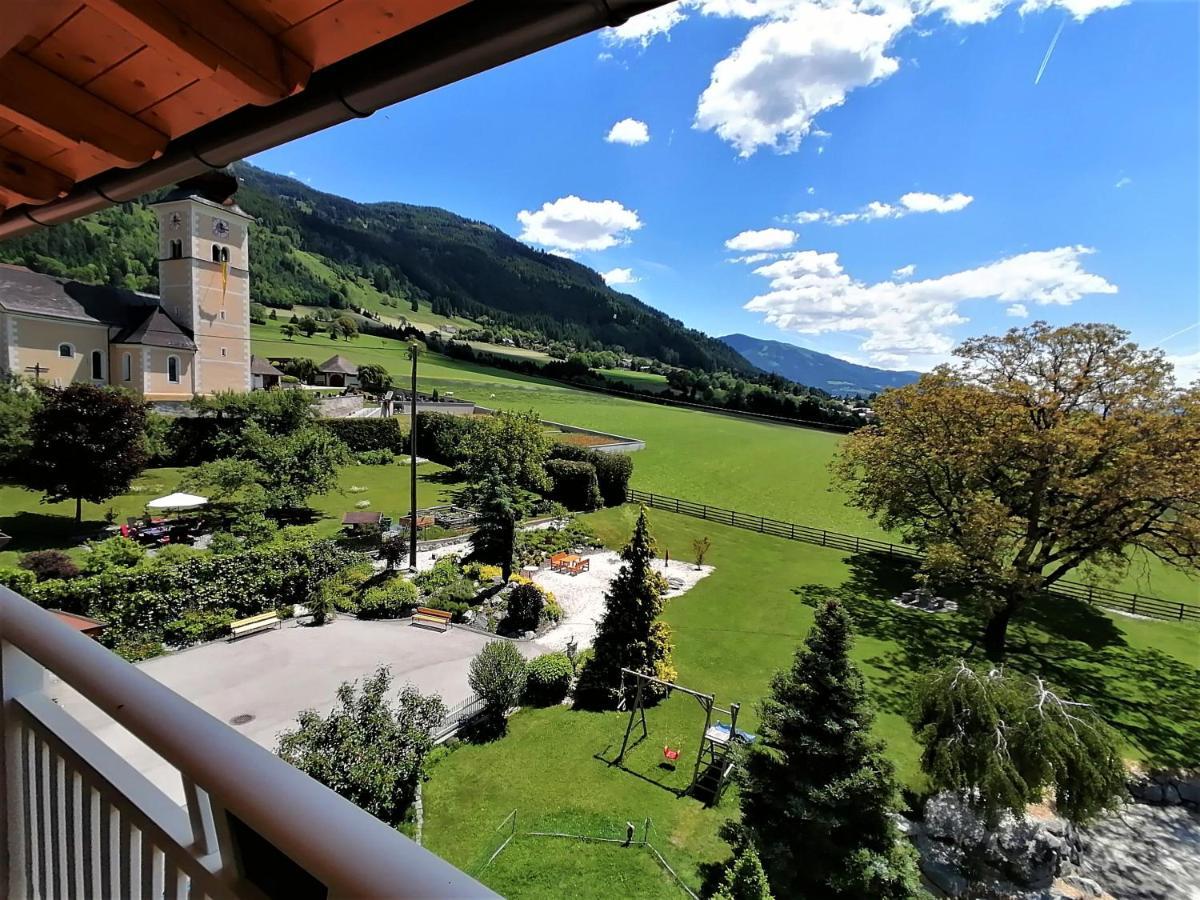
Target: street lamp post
<point x="412" y="446"/>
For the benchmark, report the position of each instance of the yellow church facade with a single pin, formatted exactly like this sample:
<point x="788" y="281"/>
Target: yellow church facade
<point x="193" y="338"/>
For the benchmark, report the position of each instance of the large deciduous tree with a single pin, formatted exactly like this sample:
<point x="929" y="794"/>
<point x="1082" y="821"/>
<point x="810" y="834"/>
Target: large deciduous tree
<point x="512" y="444"/>
<point x="818" y="794"/>
<point x="630" y="635"/>
<point x="1002" y="739"/>
<point x="368" y="749"/>
<point x="87" y="443"/>
<point x="1042" y="451"/>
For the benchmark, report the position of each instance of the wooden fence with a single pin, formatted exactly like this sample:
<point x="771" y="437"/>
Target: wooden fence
<point x="1122" y="601"/>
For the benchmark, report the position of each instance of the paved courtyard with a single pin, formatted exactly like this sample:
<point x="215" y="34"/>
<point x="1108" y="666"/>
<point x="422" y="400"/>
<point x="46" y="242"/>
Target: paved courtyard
<point x="271" y="676"/>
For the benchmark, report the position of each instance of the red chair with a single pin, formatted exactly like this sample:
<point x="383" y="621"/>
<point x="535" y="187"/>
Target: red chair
<point x="670" y="754"/>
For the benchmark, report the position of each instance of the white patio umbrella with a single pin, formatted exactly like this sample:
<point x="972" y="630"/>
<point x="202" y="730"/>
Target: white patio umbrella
<point x="177" y="501"/>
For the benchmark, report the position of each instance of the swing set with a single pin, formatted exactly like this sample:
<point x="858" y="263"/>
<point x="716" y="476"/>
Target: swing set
<point x="716" y="739"/>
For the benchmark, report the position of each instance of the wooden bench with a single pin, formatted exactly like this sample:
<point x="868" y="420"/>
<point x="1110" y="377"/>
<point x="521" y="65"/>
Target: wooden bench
<point x="557" y="560"/>
<point x="251" y="624"/>
<point x="434" y="618"/>
<point x="576" y="565"/>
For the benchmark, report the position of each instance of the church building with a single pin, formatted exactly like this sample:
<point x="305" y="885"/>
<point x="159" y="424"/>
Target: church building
<point x="193" y="338"/>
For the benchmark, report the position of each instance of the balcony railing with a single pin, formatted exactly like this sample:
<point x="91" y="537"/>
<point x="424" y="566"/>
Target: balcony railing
<point x="81" y="822"/>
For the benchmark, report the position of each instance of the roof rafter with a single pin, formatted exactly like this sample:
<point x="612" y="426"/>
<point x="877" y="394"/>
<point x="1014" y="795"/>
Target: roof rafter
<point x="29" y="180"/>
<point x="65" y="114"/>
<point x="213" y="39"/>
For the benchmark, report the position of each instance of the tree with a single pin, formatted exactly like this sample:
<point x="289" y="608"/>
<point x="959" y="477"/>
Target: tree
<point x="301" y="367"/>
<point x="744" y="878"/>
<point x="818" y="794"/>
<point x="344" y="326"/>
<point x="18" y="402"/>
<point x="495" y="537"/>
<point x="369" y="750"/>
<point x="523" y="608"/>
<point x="288" y="331"/>
<point x="512" y="444"/>
<point x="629" y="635"/>
<point x="1043" y="451"/>
<point x="295" y="466"/>
<point x="497" y="675"/>
<point x="1001" y="740"/>
<point x="308" y="326"/>
<point x="700" y="548"/>
<point x="374" y="378"/>
<point x="87" y="443"/>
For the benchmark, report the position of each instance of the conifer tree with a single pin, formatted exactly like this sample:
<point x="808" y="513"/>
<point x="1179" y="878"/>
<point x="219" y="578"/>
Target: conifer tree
<point x="818" y="794"/>
<point x="494" y="540"/>
<point x="744" y="879"/>
<point x="630" y="635"/>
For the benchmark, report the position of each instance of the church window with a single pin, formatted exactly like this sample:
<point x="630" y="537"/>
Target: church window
<point x="216" y="252"/>
<point x="176" y="249"/>
<point x="173" y="369"/>
<point x="66" y="351"/>
<point x="224" y="254"/>
<point x="127" y="367"/>
<point x="97" y="364"/>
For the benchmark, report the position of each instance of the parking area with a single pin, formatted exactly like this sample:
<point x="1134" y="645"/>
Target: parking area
<point x="259" y="684"/>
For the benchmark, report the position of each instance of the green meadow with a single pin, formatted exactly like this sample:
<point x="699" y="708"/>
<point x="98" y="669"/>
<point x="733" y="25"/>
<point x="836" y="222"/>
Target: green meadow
<point x="731" y="632"/>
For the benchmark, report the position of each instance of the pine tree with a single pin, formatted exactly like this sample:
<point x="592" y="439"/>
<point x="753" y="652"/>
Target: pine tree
<point x="744" y="879"/>
<point x="818" y="794"/>
<point x="630" y="635"/>
<point x="494" y="540"/>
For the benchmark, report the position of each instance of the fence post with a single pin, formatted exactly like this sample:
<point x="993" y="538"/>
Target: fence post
<point x="1180" y="612"/>
<point x="1133" y="604"/>
<point x="793" y="531"/>
<point x="823" y="533"/>
<point x="1091" y="592"/>
<point x="857" y="545"/>
<point x="762" y="524"/>
<point x="676" y="504"/>
<point x="704" y="513"/>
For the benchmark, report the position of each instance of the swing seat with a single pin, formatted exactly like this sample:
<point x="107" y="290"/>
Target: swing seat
<point x="670" y="754"/>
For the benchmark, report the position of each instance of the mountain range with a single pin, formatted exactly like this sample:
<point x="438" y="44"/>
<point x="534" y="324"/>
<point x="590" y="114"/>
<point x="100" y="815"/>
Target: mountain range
<point x="819" y="370"/>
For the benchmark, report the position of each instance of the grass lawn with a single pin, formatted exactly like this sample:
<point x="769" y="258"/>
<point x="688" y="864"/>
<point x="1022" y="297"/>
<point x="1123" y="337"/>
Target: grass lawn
<point x="643" y="381"/>
<point x="732" y="631"/>
<point x="756" y="467"/>
<point x="39" y="526"/>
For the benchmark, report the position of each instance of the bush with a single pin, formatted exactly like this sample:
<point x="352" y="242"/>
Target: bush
<point x="533" y="547"/>
<point x="497" y="675"/>
<point x="222" y="543"/>
<point x="548" y="677"/>
<point x="440" y="436"/>
<point x="391" y="600"/>
<point x="445" y="571"/>
<point x="49" y="564"/>
<point x="482" y="572"/>
<point x="574" y="484"/>
<point x="369" y="435"/>
<point x="197" y="626"/>
<point x="524" y="610"/>
<point x="19" y="580"/>
<point x="613" y="470"/>
<point x="375" y="457"/>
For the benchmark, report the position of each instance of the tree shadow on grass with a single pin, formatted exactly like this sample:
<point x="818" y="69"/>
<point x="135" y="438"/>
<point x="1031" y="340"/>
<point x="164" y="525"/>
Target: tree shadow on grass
<point x="47" y="531"/>
<point x="1152" y="698"/>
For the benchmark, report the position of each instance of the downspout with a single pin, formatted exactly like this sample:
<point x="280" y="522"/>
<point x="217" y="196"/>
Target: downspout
<point x="473" y="38"/>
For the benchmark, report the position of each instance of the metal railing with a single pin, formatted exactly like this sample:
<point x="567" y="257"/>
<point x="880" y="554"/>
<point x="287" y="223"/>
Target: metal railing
<point x="1122" y="601"/>
<point x="81" y="822"/>
<point x="456" y="716"/>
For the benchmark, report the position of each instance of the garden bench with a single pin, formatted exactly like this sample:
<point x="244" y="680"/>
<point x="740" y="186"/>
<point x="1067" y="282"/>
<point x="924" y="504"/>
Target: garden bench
<point x="557" y="560"/>
<point x="573" y="565"/>
<point x="436" y="618"/>
<point x="251" y="624"/>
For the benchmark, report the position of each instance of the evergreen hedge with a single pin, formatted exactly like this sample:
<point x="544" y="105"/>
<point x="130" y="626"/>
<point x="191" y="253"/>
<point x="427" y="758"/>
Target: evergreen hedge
<point x="613" y="470"/>
<point x="574" y="484"/>
<point x="369" y="434"/>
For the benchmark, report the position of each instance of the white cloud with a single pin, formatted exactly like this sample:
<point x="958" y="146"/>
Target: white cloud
<point x="811" y="293"/>
<point x="619" y="276"/>
<point x="905" y="271"/>
<point x="767" y="92"/>
<point x="1080" y="9"/>
<point x="1187" y="367"/>
<point x="977" y="12"/>
<point x="644" y="28"/>
<point x="1017" y="311"/>
<point x="915" y="202"/>
<point x="1124" y="181"/>
<point x="920" y="202"/>
<point x="629" y="131"/>
<point x="763" y="239"/>
<point x="570" y="223"/>
<point x="752" y="258"/>
<point x="810" y="190"/>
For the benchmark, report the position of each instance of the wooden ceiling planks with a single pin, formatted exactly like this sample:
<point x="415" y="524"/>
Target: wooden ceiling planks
<point x="89" y="85"/>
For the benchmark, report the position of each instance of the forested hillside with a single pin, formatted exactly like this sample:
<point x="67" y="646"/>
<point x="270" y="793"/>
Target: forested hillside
<point x="312" y="248"/>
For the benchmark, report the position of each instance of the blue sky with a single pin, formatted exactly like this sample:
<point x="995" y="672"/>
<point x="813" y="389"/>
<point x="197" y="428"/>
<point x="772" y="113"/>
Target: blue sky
<point x="788" y="161"/>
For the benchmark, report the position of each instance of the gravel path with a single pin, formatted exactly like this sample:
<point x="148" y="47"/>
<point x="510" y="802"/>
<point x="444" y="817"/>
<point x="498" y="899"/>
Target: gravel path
<point x="582" y="596"/>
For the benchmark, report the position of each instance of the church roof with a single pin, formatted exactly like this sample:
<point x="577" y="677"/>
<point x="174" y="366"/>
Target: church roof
<point x="139" y="316"/>
<point x="338" y="365"/>
<point x="156" y="329"/>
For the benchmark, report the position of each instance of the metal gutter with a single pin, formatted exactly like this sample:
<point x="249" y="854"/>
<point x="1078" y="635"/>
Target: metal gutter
<point x="473" y="38"/>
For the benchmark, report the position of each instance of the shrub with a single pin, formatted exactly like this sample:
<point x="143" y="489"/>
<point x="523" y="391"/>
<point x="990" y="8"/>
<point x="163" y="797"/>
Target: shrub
<point x="497" y="675"/>
<point x="534" y="546"/>
<point x="524" y="608"/>
<point x="548" y="677"/>
<point x="49" y="564"/>
<point x="481" y="572"/>
<point x="574" y="484"/>
<point x="552" y="612"/>
<point x="198" y="625"/>
<point x="445" y="571"/>
<point x="370" y="435"/>
<point x="19" y="580"/>
<point x="440" y="436"/>
<point x="375" y="457"/>
<point x="613" y="470"/>
<point x="391" y="600"/>
<point x="222" y="543"/>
